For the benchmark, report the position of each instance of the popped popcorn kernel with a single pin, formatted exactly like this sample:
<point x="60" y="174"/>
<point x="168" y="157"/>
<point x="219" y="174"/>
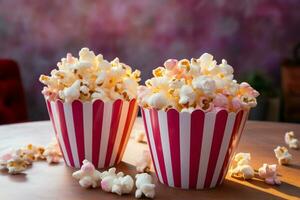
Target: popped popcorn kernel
<point x="269" y="174"/>
<point x="144" y="186"/>
<point x="87" y="176"/>
<point x="242" y="167"/>
<point x="199" y="83"/>
<point x="283" y="155"/>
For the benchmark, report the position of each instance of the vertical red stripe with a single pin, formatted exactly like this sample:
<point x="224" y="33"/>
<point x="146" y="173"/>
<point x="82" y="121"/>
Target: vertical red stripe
<point x="174" y="138"/>
<point x="77" y="109"/>
<point x="64" y="131"/>
<point x="148" y="141"/>
<point x="98" y="107"/>
<point x="115" y="118"/>
<point x="48" y="103"/>
<point x="218" y="134"/>
<point x="234" y="135"/>
<point x="158" y="145"/>
<point x="131" y="115"/>
<point x="197" y="123"/>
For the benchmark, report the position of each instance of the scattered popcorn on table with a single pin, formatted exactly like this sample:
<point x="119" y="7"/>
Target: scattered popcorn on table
<point x="144" y="163"/>
<point x="144" y="186"/>
<point x="88" y="176"/>
<point x="13" y="162"/>
<point x="16" y="165"/>
<point x="33" y="153"/>
<point x="116" y="182"/>
<point x="52" y="152"/>
<point x="283" y="156"/>
<point x="90" y="77"/>
<point x="196" y="84"/>
<point x="269" y="173"/>
<point x="242" y="168"/>
<point x="291" y="140"/>
<point x="122" y="185"/>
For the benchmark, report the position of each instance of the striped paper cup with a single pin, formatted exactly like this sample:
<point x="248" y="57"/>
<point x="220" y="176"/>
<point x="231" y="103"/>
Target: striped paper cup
<point x="192" y="150"/>
<point x="97" y="131"/>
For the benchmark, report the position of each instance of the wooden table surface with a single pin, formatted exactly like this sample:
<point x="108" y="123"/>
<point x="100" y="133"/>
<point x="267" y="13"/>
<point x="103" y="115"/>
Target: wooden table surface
<point x="42" y="181"/>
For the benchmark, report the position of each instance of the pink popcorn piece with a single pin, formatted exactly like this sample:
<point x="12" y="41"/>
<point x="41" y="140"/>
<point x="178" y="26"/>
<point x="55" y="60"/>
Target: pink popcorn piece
<point x="87" y="176"/>
<point x="170" y="64"/>
<point x="236" y="104"/>
<point x="220" y="100"/>
<point x="269" y="174"/>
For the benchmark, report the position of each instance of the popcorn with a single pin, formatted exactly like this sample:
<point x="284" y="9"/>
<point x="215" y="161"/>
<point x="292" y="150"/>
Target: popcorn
<point x="158" y="100"/>
<point x="144" y="186"/>
<point x="144" y="163"/>
<point x="243" y="168"/>
<point x="187" y="95"/>
<point x="13" y="162"/>
<point x="122" y="185"/>
<point x="204" y="84"/>
<point x="16" y="165"/>
<point x="269" y="173"/>
<point x="116" y="183"/>
<point x="291" y="140"/>
<point x="32" y="153"/>
<point x="283" y="156"/>
<point x="90" y="77"/>
<point x="196" y="84"/>
<point x="52" y="153"/>
<point x="88" y="176"/>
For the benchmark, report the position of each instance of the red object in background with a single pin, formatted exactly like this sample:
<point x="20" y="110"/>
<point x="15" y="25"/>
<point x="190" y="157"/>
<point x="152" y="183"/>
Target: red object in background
<point x="12" y="99"/>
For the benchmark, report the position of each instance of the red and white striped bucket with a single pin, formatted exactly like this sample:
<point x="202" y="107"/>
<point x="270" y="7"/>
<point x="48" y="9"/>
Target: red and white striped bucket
<point x="192" y="150"/>
<point x="97" y="131"/>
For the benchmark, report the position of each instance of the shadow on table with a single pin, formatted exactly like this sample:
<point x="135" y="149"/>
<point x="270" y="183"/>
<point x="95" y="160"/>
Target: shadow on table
<point x="22" y="177"/>
<point x="228" y="190"/>
<point x="284" y="188"/>
<point x="294" y="166"/>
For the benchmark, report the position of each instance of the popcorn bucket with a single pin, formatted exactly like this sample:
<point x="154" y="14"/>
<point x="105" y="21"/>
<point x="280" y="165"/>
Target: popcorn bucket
<point x="97" y="131"/>
<point x="192" y="150"/>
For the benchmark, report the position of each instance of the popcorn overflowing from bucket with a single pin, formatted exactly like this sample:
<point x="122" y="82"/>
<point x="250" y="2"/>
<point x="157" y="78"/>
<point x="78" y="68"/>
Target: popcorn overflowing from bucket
<point x="90" y="77"/>
<point x="200" y="83"/>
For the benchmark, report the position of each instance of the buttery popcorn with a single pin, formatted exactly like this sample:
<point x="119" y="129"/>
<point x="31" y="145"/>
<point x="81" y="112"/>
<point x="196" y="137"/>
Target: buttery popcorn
<point x="243" y="167"/>
<point x="200" y="83"/>
<point x="90" y="77"/>
<point x="283" y="156"/>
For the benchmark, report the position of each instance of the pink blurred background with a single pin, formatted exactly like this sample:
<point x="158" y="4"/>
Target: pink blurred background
<point x="253" y="35"/>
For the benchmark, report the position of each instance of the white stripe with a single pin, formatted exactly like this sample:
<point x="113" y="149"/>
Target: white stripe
<point x="184" y="138"/>
<point x="208" y="131"/>
<point x="152" y="143"/>
<point x="124" y="113"/>
<point x="88" y="130"/>
<point x="164" y="135"/>
<point x="71" y="132"/>
<point x="107" y="115"/>
<point x="59" y="135"/>
<point x="224" y="147"/>
<point x="243" y="121"/>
